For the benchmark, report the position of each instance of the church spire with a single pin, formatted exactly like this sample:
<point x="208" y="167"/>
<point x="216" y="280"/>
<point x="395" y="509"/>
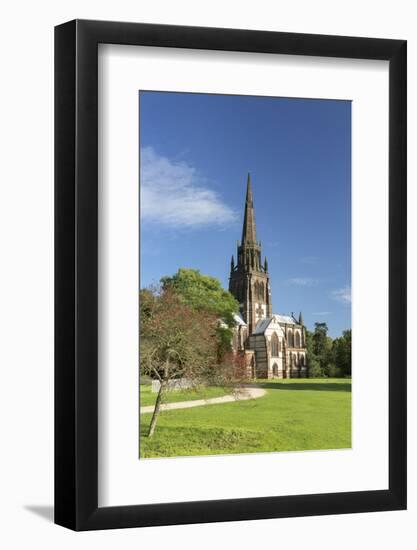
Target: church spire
<point x="249" y="228"/>
<point x="300" y="319"/>
<point x="249" y="279"/>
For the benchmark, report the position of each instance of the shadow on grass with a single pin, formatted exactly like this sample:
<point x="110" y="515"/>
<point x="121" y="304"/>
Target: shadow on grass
<point x="307" y="386"/>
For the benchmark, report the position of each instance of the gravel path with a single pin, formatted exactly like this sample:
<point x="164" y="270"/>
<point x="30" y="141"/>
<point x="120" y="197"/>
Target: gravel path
<point x="242" y="395"/>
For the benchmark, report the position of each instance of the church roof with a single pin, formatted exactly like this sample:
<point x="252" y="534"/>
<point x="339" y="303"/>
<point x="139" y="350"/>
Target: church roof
<point x="238" y="319"/>
<point x="287" y="319"/>
<point x="262" y="325"/>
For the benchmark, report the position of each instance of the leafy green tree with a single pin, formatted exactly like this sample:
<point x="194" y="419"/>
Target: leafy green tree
<point x="322" y="351"/>
<point x="328" y="357"/>
<point x="203" y="293"/>
<point x="320" y="342"/>
<point x="342" y="352"/>
<point x="314" y="368"/>
<point x="333" y="371"/>
<point x="347" y="335"/>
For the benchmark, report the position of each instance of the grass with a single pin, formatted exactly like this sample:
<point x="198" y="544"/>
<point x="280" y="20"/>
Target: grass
<point x="149" y="398"/>
<point x="294" y="415"/>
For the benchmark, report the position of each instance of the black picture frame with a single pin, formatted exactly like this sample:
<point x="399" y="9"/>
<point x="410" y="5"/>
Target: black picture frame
<point x="76" y="272"/>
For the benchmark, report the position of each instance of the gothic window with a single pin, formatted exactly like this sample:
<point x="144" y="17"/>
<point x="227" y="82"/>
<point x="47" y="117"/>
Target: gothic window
<point x="297" y="340"/>
<point x="290" y="339"/>
<point x="274" y="345"/>
<point x="302" y="360"/>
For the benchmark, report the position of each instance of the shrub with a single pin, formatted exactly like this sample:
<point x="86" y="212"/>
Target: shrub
<point x="334" y="372"/>
<point x="314" y="369"/>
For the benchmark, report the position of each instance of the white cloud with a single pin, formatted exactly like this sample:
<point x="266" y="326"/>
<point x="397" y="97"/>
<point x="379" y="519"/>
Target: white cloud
<point x="173" y="194"/>
<point x="343" y="295"/>
<point x="321" y="313"/>
<point x="303" y="281"/>
<point x="310" y="260"/>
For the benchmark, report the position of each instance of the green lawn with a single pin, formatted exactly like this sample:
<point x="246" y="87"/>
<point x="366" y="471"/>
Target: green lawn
<point x="149" y="398"/>
<point x="294" y="415"/>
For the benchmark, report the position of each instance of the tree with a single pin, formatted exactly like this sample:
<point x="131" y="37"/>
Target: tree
<point x="203" y="293"/>
<point x="333" y="371"/>
<point x="320" y="343"/>
<point x="342" y="352"/>
<point x="328" y="357"/>
<point x="314" y="368"/>
<point x="322" y="349"/>
<point x="176" y="341"/>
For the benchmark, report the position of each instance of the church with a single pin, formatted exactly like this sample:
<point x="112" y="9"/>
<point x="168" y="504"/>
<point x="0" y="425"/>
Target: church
<point x="274" y="345"/>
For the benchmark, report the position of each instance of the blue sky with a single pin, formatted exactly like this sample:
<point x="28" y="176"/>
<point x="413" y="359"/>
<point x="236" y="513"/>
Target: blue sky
<point x="196" y="151"/>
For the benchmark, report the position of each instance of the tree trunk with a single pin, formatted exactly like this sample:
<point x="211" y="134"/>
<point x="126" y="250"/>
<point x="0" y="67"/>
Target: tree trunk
<point x="156" y="409"/>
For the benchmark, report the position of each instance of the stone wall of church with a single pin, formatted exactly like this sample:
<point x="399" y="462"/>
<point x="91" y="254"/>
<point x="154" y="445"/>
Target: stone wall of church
<point x="268" y="354"/>
<point x="257" y="343"/>
<point x="296" y="363"/>
<point x="275" y="343"/>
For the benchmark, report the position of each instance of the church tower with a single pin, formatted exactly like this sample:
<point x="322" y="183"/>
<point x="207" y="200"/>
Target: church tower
<point x="249" y="279"/>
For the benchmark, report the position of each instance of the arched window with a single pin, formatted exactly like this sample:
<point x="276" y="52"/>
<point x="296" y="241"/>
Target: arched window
<point x="301" y="360"/>
<point x="297" y="340"/>
<point x="295" y="359"/>
<point x="274" y="345"/>
<point x="275" y="369"/>
<point x="290" y="339"/>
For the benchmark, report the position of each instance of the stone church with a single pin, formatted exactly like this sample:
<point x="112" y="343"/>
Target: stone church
<point x="274" y="345"/>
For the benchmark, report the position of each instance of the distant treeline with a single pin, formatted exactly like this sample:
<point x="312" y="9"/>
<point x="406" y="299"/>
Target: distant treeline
<point x="328" y="357"/>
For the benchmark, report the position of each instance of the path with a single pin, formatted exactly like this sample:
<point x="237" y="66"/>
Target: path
<point x="242" y="395"/>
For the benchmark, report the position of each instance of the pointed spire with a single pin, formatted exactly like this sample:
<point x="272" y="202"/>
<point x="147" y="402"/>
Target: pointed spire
<point x="249" y="228"/>
<point x="249" y="196"/>
<point x="232" y="264"/>
<point x="265" y="265"/>
<point x="300" y="319"/>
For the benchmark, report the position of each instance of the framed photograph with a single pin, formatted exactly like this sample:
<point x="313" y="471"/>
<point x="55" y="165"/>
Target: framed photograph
<point x="230" y="275"/>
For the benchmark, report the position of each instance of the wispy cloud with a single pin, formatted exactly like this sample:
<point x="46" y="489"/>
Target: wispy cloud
<point x="321" y="313"/>
<point x="342" y="295"/>
<point x="303" y="281"/>
<point x="309" y="260"/>
<point x="173" y="194"/>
